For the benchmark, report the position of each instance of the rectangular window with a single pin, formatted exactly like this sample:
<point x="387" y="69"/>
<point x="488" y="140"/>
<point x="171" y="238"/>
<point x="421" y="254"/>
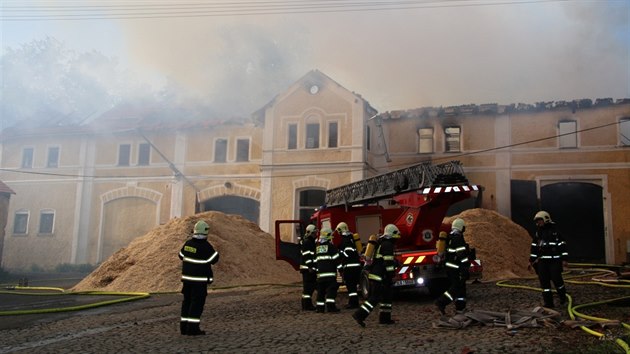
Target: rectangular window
<point x="452" y="137"/>
<point x="27" y="157"/>
<point x="144" y="154"/>
<point x="368" y="138"/>
<point x="46" y="221"/>
<point x="332" y="135"/>
<point x="292" y="143"/>
<point x="567" y="134"/>
<point x="20" y="223"/>
<point x="124" y="151"/>
<point x="242" y="150"/>
<point x="312" y="136"/>
<point x="220" y="150"/>
<point x="624" y="131"/>
<point x="53" y="157"/>
<point x="425" y="140"/>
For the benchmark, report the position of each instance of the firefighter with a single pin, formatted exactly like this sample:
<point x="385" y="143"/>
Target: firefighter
<point x="457" y="268"/>
<point x="327" y="264"/>
<point x="307" y="267"/>
<point x="350" y="264"/>
<point x="382" y="272"/>
<point x="548" y="256"/>
<point x="197" y="257"/>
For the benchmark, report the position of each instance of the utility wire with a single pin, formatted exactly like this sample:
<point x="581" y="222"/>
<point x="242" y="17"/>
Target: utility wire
<point x="200" y="9"/>
<point x="391" y="167"/>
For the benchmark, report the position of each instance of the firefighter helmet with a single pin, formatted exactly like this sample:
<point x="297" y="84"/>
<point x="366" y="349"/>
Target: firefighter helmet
<point x="391" y="231"/>
<point x="342" y="227"/>
<point x="459" y="225"/>
<point x="326" y="234"/>
<point x="201" y="228"/>
<point x="310" y="230"/>
<point x="544" y="216"/>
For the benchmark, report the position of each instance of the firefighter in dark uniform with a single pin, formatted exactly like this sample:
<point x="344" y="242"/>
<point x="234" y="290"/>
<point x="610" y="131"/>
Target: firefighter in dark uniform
<point x="328" y="264"/>
<point x="307" y="267"/>
<point x="197" y="257"/>
<point x="548" y="256"/>
<point x="381" y="274"/>
<point x="350" y="264"/>
<point x="457" y="268"/>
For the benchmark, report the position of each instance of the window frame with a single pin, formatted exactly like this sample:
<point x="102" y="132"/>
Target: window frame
<point x="333" y="135"/>
<point x="292" y="136"/>
<point x="52" y="222"/>
<point x="144" y="154"/>
<point x="624" y="131"/>
<point x="224" y="147"/>
<point x="567" y="139"/>
<point x="52" y="163"/>
<point x="28" y="162"/>
<point x="368" y="138"/>
<point x="22" y="213"/>
<point x="122" y="155"/>
<point x="450" y="136"/>
<point x="314" y="128"/>
<point x="241" y="149"/>
<point x="426" y="139"/>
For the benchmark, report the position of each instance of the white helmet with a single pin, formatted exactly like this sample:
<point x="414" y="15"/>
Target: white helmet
<point x="459" y="225"/>
<point x="544" y="216"/>
<point x="310" y="230"/>
<point x="391" y="231"/>
<point x="326" y="234"/>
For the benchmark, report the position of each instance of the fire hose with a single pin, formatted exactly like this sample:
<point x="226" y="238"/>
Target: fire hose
<point x="599" y="275"/>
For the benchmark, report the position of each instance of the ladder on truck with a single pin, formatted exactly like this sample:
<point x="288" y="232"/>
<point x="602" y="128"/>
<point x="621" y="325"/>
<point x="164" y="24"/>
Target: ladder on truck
<point x="416" y="177"/>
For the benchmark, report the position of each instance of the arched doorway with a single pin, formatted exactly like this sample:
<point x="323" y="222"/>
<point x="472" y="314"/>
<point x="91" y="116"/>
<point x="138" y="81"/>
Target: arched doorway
<point x="233" y="204"/>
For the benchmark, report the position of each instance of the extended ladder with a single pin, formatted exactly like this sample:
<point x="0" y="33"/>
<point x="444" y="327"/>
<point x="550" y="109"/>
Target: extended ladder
<point x="388" y="184"/>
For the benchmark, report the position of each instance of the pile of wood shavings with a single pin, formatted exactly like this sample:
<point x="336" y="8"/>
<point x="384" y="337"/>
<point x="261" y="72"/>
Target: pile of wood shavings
<point x="247" y="254"/>
<point x="150" y="263"/>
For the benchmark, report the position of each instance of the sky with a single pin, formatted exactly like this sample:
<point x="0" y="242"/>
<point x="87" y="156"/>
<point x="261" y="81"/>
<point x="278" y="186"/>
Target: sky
<point x="237" y="55"/>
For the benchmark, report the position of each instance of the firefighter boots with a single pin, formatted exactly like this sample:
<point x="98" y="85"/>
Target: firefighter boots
<point x="331" y="307"/>
<point x="562" y="294"/>
<point x="320" y="308"/>
<point x="193" y="330"/>
<point x="548" y="298"/>
<point x="441" y="306"/>
<point x="183" y="327"/>
<point x="385" y="318"/>
<point x="307" y="305"/>
<point x="353" y="302"/>
<point x="359" y="316"/>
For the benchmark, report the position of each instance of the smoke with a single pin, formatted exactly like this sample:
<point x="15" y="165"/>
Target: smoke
<point x="225" y="66"/>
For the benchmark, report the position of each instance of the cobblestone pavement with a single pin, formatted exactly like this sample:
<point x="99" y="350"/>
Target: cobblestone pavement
<point x="268" y="319"/>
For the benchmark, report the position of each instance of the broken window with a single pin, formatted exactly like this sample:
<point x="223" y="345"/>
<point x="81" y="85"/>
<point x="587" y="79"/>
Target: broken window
<point x="425" y="140"/>
<point x="624" y="131"/>
<point x="310" y="201"/>
<point x="453" y="139"/>
<point x="567" y="134"/>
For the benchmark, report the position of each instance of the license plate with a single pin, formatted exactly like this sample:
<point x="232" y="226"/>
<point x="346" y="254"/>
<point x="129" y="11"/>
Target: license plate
<point x="405" y="282"/>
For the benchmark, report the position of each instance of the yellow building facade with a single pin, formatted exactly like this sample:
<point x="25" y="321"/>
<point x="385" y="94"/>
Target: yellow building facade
<point x="84" y="191"/>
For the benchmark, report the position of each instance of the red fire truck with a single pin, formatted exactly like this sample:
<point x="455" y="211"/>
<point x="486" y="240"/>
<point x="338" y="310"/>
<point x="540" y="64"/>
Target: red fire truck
<point x="416" y="199"/>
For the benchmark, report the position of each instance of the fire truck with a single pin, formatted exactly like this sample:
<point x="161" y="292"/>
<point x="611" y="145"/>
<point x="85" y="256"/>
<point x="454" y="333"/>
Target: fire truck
<point x="416" y="199"/>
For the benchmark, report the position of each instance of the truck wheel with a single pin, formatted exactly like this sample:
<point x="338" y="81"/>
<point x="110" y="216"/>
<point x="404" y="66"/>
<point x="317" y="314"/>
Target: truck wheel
<point x="364" y="284"/>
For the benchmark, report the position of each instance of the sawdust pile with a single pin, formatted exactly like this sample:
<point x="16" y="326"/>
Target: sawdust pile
<point x="502" y="245"/>
<point x="150" y="263"/>
<point x="247" y="254"/>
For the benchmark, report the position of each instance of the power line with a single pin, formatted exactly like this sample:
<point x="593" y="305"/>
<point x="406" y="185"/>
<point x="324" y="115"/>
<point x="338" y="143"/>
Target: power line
<point x="247" y="8"/>
<point x="391" y="167"/>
